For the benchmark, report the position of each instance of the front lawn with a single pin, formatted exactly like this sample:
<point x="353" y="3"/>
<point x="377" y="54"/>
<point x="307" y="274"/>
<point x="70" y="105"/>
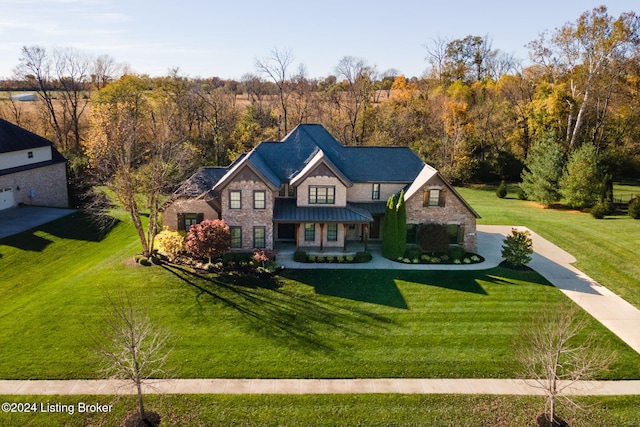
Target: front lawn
<point x="303" y="324"/>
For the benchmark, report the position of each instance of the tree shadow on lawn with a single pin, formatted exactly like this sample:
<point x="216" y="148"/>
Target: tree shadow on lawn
<point x="294" y="318"/>
<point x="381" y="286"/>
<point x="77" y="226"/>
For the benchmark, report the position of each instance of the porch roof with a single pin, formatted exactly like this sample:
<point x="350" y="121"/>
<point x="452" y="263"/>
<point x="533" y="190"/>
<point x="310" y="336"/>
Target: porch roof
<point x="285" y="210"/>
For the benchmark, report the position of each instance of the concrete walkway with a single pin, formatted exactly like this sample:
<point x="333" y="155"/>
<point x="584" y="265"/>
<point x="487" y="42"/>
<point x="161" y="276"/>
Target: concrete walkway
<point x="318" y="386"/>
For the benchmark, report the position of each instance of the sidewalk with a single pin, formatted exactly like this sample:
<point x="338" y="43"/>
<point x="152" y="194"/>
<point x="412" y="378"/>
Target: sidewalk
<point x="318" y="386"/>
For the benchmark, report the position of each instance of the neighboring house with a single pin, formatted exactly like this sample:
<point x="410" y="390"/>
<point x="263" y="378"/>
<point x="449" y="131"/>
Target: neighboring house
<point x="312" y="190"/>
<point x="32" y="172"/>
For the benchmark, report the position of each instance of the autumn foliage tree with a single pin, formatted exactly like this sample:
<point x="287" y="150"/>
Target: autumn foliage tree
<point x="209" y="239"/>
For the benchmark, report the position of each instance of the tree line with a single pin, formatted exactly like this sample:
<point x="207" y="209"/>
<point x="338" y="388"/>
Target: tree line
<point x="476" y="114"/>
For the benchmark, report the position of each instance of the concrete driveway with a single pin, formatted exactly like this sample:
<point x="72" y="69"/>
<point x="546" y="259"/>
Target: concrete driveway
<point x="23" y="218"/>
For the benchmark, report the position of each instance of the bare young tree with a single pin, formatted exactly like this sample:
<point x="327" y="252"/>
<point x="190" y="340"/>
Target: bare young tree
<point x="276" y="67"/>
<point x="359" y="78"/>
<point x="555" y="356"/>
<point x="132" y="348"/>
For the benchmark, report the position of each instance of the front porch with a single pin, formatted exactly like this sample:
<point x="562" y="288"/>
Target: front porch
<point x="350" y="248"/>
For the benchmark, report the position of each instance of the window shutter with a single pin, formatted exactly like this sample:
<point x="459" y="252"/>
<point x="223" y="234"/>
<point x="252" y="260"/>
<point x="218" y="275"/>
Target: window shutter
<point x="181" y="224"/>
<point x="199" y="217"/>
<point x="461" y="235"/>
<point x="443" y="196"/>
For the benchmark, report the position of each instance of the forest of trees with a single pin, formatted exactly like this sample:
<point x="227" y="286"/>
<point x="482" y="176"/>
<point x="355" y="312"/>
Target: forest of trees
<point x="475" y="115"/>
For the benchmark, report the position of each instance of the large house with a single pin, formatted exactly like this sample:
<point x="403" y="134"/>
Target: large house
<point x="32" y="171"/>
<point x="312" y="190"/>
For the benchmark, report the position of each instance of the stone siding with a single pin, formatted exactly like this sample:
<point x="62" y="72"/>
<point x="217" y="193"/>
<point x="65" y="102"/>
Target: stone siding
<point x="453" y="212"/>
<point x="361" y="192"/>
<point x="340" y="192"/>
<point x="247" y="217"/>
<point x="183" y="206"/>
<point x="47" y="185"/>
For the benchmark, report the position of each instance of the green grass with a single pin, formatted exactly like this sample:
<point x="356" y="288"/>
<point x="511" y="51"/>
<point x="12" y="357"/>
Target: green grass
<point x="606" y="250"/>
<point x="332" y="410"/>
<point x="338" y="324"/>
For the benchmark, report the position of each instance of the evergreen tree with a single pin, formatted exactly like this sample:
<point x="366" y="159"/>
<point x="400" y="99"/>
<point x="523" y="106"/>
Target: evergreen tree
<point x="580" y="185"/>
<point x="390" y="229"/>
<point x="401" y="237"/>
<point x="540" y="181"/>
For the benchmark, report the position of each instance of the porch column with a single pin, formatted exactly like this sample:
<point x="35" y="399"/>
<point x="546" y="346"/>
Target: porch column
<point x="297" y="234"/>
<point x="344" y="237"/>
<point x="321" y="236"/>
<point x="366" y="236"/>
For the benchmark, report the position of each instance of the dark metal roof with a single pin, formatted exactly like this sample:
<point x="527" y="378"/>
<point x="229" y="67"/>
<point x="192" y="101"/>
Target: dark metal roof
<point x="15" y="138"/>
<point x="285" y="210"/>
<point x="374" y="208"/>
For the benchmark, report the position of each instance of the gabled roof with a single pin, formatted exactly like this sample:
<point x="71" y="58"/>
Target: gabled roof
<point x="257" y="165"/>
<point x="15" y="138"/>
<point x="427" y="174"/>
<point x="319" y="159"/>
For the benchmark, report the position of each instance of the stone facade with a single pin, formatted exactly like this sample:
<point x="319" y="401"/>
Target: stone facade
<point x="44" y="186"/>
<point x="247" y="182"/>
<point x="451" y="211"/>
<point x="183" y="206"/>
<point x="361" y="192"/>
<point x="322" y="176"/>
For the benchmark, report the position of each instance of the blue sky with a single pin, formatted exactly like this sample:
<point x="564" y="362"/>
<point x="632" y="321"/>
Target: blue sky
<point x="223" y="38"/>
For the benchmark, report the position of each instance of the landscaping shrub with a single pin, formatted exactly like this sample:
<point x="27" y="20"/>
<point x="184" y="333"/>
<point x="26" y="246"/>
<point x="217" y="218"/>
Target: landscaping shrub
<point x="634" y="208"/>
<point x="300" y="256"/>
<point x="209" y="239"/>
<point x="169" y="243"/>
<point x="517" y="248"/>
<point x="413" y="253"/>
<point x="501" y="191"/>
<point x="456" y="253"/>
<point x="363" y="257"/>
<point x="433" y="238"/>
<point x="237" y="257"/>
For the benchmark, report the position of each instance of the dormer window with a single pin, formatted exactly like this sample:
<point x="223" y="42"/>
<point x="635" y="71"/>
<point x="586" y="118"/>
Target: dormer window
<point x="30" y="154"/>
<point x="322" y="195"/>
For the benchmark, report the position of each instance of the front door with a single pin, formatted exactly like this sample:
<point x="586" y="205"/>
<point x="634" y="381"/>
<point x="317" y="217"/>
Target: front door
<point x="286" y="231"/>
<point x="374" y="229"/>
<point x="6" y="198"/>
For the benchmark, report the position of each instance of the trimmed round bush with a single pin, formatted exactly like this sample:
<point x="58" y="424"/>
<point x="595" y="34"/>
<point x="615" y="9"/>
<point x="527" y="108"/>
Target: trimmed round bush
<point x="599" y="210"/>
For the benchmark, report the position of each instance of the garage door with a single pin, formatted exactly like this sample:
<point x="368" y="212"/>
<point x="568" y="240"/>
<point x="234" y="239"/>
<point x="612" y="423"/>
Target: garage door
<point x="6" y="197"/>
